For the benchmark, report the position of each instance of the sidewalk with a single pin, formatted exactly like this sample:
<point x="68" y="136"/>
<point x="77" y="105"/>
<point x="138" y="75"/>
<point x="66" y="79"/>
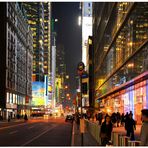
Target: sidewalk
<point x="12" y="120"/>
<point x="88" y="140"/>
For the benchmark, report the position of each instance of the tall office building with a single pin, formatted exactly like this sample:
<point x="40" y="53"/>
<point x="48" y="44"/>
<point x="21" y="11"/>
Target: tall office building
<point x="53" y="75"/>
<point x="60" y="72"/>
<point x="47" y="17"/>
<point x="35" y="16"/>
<point x="120" y="36"/>
<point x="86" y="32"/>
<point x="38" y="15"/>
<point x="47" y="52"/>
<point x="86" y="27"/>
<point x="16" y="60"/>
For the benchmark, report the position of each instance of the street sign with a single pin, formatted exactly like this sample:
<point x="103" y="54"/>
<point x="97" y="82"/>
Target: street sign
<point x="81" y="66"/>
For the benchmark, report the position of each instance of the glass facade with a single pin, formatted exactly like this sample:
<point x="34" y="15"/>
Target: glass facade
<point x="121" y="51"/>
<point x="47" y="17"/>
<point x="35" y="16"/>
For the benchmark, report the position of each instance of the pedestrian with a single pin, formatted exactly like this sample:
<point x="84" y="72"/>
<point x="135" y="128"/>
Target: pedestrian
<point x="144" y="128"/>
<point x="100" y="117"/>
<point x="130" y="126"/>
<point x="131" y="113"/>
<point x="96" y="116"/>
<point x="25" y="117"/>
<point x="9" y="118"/>
<point x="122" y="119"/>
<point x="105" y="132"/>
<point x="78" y="121"/>
<point x="114" y="118"/>
<point x="118" y="116"/>
<point x="126" y="116"/>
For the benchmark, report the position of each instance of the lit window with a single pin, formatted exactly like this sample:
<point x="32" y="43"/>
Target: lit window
<point x="41" y="20"/>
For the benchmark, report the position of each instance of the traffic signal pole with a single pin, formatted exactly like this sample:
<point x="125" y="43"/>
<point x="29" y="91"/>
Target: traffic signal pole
<point x="80" y="69"/>
<point x="81" y="109"/>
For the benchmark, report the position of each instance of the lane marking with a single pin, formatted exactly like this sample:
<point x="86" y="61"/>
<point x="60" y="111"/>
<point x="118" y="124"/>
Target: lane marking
<point x="13" y="132"/>
<point x="12" y="126"/>
<point x="30" y="127"/>
<point x="38" y="136"/>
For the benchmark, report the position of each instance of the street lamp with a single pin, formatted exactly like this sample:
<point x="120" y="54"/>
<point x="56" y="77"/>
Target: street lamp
<point x="79" y="20"/>
<point x="80" y="69"/>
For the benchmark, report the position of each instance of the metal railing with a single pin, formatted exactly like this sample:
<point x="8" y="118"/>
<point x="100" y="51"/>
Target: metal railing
<point x="118" y="139"/>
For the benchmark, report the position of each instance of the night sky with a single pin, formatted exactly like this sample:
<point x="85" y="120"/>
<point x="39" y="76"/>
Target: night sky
<point x="69" y="34"/>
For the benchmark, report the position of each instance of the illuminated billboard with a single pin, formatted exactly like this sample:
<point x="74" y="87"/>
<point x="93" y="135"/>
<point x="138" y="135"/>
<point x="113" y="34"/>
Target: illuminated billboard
<point x="38" y="93"/>
<point x="86" y="27"/>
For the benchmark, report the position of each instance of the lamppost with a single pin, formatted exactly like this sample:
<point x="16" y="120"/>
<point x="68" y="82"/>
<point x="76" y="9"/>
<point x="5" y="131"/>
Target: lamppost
<point x="80" y="69"/>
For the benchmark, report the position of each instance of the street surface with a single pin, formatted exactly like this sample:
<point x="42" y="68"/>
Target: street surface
<point x="36" y="132"/>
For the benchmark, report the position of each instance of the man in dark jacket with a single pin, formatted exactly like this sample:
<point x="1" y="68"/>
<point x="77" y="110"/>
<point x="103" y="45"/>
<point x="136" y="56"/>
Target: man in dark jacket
<point x="130" y="126"/>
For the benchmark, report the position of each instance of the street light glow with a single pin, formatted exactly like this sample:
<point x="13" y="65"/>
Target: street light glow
<point x="56" y="20"/>
<point x="79" y="20"/>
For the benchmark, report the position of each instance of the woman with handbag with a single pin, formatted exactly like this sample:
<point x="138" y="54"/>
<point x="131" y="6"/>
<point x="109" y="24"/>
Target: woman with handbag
<point x="105" y="132"/>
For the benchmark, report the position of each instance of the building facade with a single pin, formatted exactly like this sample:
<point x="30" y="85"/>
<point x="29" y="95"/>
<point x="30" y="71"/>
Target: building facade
<point x="35" y="16"/>
<point x="86" y="27"/>
<point x="16" y="65"/>
<point x="60" y="72"/>
<point x="47" y="54"/>
<point x="38" y="15"/>
<point x="120" y="37"/>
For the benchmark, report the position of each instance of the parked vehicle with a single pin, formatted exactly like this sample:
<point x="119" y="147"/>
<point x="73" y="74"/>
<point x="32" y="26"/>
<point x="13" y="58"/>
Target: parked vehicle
<point x="69" y="118"/>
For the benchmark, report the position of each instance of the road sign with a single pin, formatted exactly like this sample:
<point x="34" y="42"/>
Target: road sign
<point x="81" y="66"/>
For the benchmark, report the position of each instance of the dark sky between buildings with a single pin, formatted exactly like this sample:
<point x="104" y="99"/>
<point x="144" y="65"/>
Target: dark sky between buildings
<point x="69" y="34"/>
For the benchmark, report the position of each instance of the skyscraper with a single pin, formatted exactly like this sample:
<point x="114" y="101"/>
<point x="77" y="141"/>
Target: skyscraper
<point x="16" y="66"/>
<point x="61" y="71"/>
<point x="35" y="16"/>
<point x="47" y="16"/>
<point x="38" y="15"/>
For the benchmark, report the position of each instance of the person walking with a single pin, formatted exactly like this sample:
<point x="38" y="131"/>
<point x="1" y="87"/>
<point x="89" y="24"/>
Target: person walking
<point x="9" y="118"/>
<point x="25" y="117"/>
<point x="144" y="128"/>
<point x="122" y="119"/>
<point x="130" y="126"/>
<point x="118" y="118"/>
<point x="100" y="117"/>
<point x="105" y="132"/>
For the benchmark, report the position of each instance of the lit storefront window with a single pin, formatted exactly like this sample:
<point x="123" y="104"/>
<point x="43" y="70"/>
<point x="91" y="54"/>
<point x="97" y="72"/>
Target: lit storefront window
<point x="11" y="98"/>
<point x="139" y="99"/>
<point x="7" y="97"/>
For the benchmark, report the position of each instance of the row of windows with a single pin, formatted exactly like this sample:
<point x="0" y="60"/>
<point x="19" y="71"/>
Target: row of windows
<point x="15" y="99"/>
<point x="136" y="66"/>
<point x="16" y="72"/>
<point x="130" y="38"/>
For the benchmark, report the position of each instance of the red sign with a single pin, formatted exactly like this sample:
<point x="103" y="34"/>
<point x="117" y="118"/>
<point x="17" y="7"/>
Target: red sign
<point x="27" y="99"/>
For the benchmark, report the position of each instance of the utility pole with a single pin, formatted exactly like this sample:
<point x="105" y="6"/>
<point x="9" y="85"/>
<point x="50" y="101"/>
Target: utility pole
<point x="80" y="68"/>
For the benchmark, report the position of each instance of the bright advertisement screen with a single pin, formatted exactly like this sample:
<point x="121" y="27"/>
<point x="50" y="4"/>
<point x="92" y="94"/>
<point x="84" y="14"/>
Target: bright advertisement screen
<point x="38" y="93"/>
<point x="86" y="31"/>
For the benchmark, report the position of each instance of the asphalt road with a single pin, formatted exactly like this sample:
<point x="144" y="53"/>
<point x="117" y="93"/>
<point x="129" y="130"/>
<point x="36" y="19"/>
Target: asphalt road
<point x="36" y="132"/>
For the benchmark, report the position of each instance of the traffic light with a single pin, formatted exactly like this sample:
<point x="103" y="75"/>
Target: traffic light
<point x="84" y="88"/>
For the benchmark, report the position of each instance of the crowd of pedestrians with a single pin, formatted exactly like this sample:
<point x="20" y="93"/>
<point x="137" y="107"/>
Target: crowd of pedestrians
<point x="116" y="119"/>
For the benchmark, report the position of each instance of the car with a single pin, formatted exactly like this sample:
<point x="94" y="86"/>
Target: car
<point x="69" y="118"/>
